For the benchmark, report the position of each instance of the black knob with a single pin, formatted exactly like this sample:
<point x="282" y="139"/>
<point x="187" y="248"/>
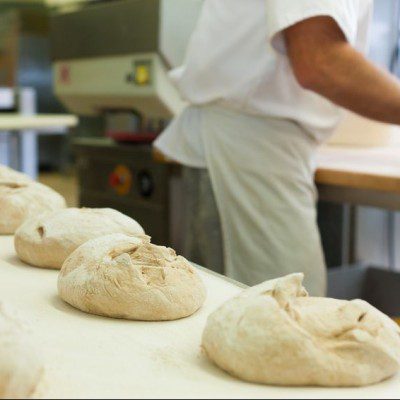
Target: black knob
<point x="145" y="183"/>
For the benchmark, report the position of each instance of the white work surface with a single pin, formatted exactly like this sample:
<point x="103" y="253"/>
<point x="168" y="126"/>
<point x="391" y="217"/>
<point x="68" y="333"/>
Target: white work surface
<point x="94" y="357"/>
<point x="38" y="122"/>
<point x="374" y="168"/>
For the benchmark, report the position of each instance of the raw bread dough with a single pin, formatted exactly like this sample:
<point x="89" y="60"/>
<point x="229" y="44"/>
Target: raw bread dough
<point x="48" y="239"/>
<point x="275" y="334"/>
<point x="8" y="174"/>
<point x="21" y="200"/>
<point x="21" y="368"/>
<point x="126" y="277"/>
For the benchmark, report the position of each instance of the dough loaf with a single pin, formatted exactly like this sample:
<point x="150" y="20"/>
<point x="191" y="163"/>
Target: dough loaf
<point x="275" y="334"/>
<point x="126" y="277"/>
<point x="21" y="368"/>
<point x="8" y="174"/>
<point x="48" y="239"/>
<point x="21" y="200"/>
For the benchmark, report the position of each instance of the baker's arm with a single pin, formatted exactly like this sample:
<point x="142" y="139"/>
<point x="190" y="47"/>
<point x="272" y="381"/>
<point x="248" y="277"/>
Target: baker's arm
<point x="324" y="62"/>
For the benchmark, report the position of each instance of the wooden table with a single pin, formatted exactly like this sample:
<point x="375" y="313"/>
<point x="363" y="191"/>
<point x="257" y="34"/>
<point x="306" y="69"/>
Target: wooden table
<point x="94" y="357"/>
<point x="363" y="176"/>
<point x="18" y="137"/>
<point x="368" y="176"/>
<point x="355" y="176"/>
<point x="374" y="169"/>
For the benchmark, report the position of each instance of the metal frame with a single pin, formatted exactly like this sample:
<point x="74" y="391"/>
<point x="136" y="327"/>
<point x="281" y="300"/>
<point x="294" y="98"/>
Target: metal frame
<point x="84" y="34"/>
<point x="360" y="197"/>
<point x="19" y="149"/>
<point x="353" y="197"/>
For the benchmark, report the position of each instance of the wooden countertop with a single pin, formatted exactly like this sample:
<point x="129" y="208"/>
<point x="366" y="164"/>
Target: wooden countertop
<point x="40" y="122"/>
<point x="94" y="357"/>
<point x="371" y="168"/>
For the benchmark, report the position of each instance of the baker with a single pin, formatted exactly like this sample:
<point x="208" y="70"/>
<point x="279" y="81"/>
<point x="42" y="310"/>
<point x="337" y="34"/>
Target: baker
<point x="266" y="81"/>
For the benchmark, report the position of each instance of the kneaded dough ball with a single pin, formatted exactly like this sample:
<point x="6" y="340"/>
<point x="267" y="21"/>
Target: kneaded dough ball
<point x="9" y="174"/>
<point x="275" y="334"/>
<point x="21" y="200"/>
<point x="126" y="277"/>
<point x="21" y="368"/>
<point x="48" y="239"/>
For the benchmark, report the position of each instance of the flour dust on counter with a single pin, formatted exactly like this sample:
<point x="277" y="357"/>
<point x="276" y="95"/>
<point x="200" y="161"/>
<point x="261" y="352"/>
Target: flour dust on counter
<point x="89" y="356"/>
<point x="21" y="366"/>
<point x="276" y="334"/>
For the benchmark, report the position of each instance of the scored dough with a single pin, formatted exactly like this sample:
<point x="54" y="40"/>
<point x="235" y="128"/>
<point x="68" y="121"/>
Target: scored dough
<point x="275" y="334"/>
<point x="21" y="200"/>
<point x="10" y="175"/>
<point x="126" y="277"/>
<point x="48" y="239"/>
<point x="21" y="368"/>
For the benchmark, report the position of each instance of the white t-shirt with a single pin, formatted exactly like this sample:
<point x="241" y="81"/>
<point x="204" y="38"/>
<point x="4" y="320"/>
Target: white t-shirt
<point x="237" y="58"/>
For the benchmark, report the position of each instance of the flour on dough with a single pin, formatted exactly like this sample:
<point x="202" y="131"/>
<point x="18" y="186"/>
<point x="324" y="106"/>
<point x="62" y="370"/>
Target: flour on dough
<point x="126" y="277"/>
<point x="21" y="367"/>
<point x="22" y="200"/>
<point x="8" y="174"/>
<point x="48" y="239"/>
<point x="275" y="334"/>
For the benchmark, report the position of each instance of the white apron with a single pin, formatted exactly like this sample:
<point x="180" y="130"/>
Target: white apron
<point x="262" y="174"/>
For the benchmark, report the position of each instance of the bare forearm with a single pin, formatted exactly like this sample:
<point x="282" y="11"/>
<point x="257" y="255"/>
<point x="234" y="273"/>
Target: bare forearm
<point x="352" y="82"/>
<point x="324" y="62"/>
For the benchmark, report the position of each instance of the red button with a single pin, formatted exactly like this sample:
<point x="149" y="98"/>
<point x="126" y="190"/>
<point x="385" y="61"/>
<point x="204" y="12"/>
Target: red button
<point x="114" y="180"/>
<point x="65" y="74"/>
